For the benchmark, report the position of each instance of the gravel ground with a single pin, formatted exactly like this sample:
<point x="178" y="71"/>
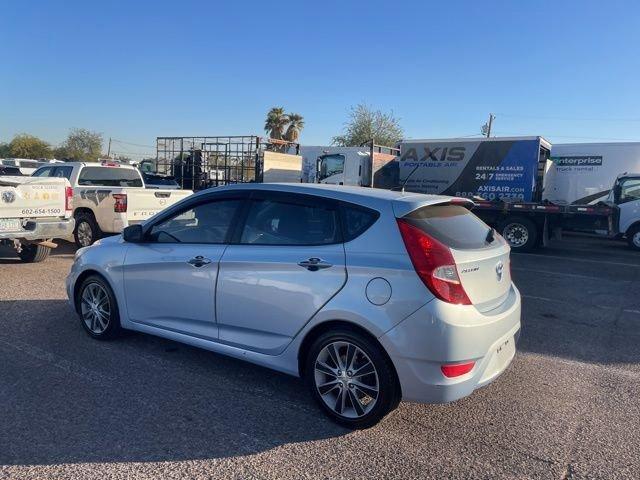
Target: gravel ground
<point x="143" y="407"/>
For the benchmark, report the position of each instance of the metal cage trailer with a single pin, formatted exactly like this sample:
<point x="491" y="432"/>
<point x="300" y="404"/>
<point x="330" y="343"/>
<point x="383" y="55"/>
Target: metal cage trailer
<point x="209" y="161"/>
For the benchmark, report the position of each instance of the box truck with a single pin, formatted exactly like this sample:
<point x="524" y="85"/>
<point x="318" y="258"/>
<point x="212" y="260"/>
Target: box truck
<point x="585" y="172"/>
<point x="362" y="166"/>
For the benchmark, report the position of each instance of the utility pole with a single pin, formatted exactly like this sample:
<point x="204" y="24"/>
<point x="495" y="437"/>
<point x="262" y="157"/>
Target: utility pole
<point x="490" y="123"/>
<point x="109" y="148"/>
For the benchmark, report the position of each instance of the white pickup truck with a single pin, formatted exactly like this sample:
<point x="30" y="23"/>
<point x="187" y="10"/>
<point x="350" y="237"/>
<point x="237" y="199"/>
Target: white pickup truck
<point x="109" y="196"/>
<point x="34" y="211"/>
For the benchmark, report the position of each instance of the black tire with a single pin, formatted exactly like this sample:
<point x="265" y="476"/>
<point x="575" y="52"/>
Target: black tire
<point x="631" y="233"/>
<point x="520" y="233"/>
<point x="388" y="395"/>
<point x="87" y="230"/>
<point x="112" y="328"/>
<point x="34" y="253"/>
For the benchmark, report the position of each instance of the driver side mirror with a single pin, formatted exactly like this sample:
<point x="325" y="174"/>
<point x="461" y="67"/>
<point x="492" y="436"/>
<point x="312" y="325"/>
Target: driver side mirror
<point x="133" y="234"/>
<point x="617" y="192"/>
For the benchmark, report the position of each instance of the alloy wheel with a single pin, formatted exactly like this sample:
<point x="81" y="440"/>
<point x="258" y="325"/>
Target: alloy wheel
<point x="346" y="379"/>
<point x="85" y="234"/>
<point x="95" y="308"/>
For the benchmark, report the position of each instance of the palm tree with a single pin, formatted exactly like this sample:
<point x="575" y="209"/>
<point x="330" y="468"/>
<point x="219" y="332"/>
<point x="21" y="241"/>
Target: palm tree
<point x="276" y="121"/>
<point x="296" y="124"/>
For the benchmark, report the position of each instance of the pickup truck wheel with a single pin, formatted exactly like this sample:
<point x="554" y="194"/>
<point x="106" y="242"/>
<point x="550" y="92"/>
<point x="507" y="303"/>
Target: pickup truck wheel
<point x="97" y="307"/>
<point x="633" y="238"/>
<point x="87" y="230"/>
<point x="34" y="253"/>
<point x="521" y="233"/>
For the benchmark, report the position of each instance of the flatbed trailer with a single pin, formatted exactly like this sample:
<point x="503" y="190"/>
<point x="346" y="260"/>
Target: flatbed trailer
<point x="527" y="225"/>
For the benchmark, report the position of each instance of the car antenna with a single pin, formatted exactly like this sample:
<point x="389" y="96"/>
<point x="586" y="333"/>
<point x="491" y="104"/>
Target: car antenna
<point x="408" y="177"/>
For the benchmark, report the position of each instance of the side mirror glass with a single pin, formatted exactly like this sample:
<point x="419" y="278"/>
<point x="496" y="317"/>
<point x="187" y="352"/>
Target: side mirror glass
<point x="133" y="234"/>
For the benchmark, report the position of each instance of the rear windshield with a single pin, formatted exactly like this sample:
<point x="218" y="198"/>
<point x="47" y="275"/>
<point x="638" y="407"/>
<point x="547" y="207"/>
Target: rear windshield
<point x="110" y="177"/>
<point x="452" y="225"/>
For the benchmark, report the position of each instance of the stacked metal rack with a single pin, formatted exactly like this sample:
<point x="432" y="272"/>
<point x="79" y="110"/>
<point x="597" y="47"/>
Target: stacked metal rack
<point x="208" y="161"/>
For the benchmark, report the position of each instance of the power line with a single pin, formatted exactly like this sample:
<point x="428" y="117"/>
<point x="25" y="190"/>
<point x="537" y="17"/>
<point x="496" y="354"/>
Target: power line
<point x="591" y="119"/>
<point x="573" y="136"/>
<point x="134" y="144"/>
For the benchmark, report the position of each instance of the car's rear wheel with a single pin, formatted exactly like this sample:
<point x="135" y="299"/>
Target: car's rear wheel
<point x="87" y="230"/>
<point x="34" y="253"/>
<point x="97" y="307"/>
<point x="351" y="378"/>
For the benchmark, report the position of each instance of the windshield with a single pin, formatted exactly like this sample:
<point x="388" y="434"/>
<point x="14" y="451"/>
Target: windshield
<point x="452" y="225"/>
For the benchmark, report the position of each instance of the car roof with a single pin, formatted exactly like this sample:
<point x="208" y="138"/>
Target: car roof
<point x="402" y="202"/>
<point x="87" y="164"/>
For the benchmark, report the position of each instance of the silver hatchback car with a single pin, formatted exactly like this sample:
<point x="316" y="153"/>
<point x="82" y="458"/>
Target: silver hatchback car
<point x="372" y="296"/>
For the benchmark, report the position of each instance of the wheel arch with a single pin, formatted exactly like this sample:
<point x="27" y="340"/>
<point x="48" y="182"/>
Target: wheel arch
<point x="329" y="325"/>
<point x="633" y="226"/>
<point x="83" y="211"/>
<point x="82" y="277"/>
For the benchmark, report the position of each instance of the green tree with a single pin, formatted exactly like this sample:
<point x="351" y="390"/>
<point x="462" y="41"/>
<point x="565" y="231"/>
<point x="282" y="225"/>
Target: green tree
<point x="275" y="123"/>
<point x="28" y="146"/>
<point x="81" y="145"/>
<point x="296" y="124"/>
<point x="365" y="124"/>
<point x="5" y="151"/>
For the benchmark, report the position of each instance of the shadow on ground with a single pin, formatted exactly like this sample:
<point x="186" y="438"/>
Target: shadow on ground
<point x="9" y="256"/>
<point x="67" y="398"/>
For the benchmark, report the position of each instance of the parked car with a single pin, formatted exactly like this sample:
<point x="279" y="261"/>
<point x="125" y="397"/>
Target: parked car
<point x="108" y="196"/>
<point x="33" y="212"/>
<point x="372" y="296"/>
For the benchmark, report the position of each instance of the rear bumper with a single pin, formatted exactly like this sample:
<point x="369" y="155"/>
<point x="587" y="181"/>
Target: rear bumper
<point x="41" y="229"/>
<point x="441" y="333"/>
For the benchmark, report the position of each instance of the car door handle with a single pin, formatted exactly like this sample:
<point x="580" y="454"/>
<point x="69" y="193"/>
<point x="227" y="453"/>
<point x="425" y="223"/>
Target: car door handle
<point x="314" y="264"/>
<point x="199" y="261"/>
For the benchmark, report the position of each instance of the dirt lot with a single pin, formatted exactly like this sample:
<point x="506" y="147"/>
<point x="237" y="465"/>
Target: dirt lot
<point x="143" y="407"/>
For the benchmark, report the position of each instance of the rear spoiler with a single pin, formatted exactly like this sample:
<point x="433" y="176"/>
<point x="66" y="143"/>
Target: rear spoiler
<point x="405" y="205"/>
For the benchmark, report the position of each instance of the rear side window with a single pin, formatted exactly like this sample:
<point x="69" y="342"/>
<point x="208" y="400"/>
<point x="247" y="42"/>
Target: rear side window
<point x="274" y="222"/>
<point x="357" y="220"/>
<point x="110" y="177"/>
<point x="452" y="225"/>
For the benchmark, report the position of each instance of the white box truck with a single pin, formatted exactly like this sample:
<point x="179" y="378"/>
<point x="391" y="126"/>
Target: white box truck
<point x="585" y="172"/>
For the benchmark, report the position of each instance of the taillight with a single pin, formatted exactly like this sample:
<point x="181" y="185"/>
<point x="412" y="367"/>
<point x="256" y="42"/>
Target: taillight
<point x="68" y="199"/>
<point x="434" y="264"/>
<point x="456" y="369"/>
<point x="120" y="206"/>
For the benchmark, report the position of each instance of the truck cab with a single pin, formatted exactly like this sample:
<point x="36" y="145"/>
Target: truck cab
<point x="626" y="195"/>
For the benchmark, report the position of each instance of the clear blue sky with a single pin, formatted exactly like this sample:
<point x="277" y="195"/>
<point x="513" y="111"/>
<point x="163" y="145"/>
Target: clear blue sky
<point x="135" y="70"/>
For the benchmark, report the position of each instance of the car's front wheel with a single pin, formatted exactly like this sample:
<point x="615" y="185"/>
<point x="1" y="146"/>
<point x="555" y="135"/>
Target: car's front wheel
<point x="97" y="307"/>
<point x="351" y="378"/>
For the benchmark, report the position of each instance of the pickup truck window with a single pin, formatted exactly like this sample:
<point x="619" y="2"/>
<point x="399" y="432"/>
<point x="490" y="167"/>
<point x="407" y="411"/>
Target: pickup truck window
<point x="42" y="172"/>
<point x="63" y="172"/>
<point x="110" y="177"/>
